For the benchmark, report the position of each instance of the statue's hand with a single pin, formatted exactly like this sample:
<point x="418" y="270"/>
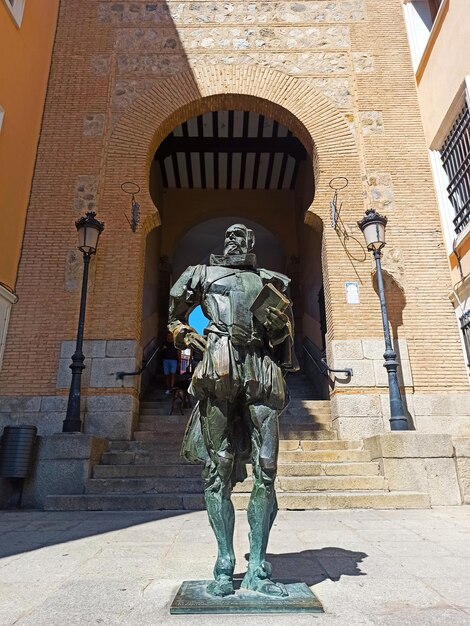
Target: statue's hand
<point x="195" y="341"/>
<point x="276" y="320"/>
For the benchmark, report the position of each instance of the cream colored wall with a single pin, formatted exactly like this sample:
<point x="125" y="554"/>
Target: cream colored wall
<point x="446" y="67"/>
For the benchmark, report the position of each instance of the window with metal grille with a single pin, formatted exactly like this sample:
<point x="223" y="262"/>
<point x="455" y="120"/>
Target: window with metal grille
<point x="455" y="155"/>
<point x="465" y="326"/>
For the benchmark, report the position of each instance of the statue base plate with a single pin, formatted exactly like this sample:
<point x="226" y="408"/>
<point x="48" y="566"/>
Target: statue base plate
<point x="192" y="597"/>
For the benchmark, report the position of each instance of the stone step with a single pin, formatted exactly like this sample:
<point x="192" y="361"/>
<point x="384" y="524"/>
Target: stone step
<point x="286" y="432"/>
<point x="334" y="444"/>
<point x="305" y="416"/>
<point x="167" y="470"/>
<point x="174" y="445"/>
<point x="302" y="405"/>
<point x="325" y="456"/>
<point x="150" y="404"/>
<point x="181" y="470"/>
<point x="286" y="501"/>
<point x="120" y="502"/>
<point x="344" y="500"/>
<point x="296" y="414"/>
<point x="149" y="485"/>
<point x="285" y="426"/>
<point x="165" y="420"/>
<point x="329" y="469"/>
<point x="286" y="429"/>
<point x="118" y="458"/>
<point x="318" y="405"/>
<point x="313" y="484"/>
<point x="152" y="457"/>
<point x="158" y="438"/>
<point x="157" y="485"/>
<point x="319" y="434"/>
<point x="156" y="457"/>
<point x="162" y="412"/>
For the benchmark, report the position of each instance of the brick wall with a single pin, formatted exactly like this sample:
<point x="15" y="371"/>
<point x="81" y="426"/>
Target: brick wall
<point x="124" y="74"/>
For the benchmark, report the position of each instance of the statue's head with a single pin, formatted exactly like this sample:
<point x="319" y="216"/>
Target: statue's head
<point x="238" y="239"/>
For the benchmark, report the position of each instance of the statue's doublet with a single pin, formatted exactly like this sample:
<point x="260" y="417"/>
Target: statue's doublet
<point x="240" y="364"/>
<point x="225" y="295"/>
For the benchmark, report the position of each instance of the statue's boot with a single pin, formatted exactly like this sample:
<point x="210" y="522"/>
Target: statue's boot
<point x="259" y="579"/>
<point x="222" y="519"/>
<point x="262" y="511"/>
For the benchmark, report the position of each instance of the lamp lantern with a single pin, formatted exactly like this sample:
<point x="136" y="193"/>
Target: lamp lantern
<point x="89" y="231"/>
<point x="373" y="228"/>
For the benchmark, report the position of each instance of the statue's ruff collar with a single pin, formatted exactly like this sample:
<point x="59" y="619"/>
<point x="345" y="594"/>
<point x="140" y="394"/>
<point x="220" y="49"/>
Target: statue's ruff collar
<point x="241" y="261"/>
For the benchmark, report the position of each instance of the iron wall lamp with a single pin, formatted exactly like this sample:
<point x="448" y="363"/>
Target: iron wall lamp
<point x="373" y="228"/>
<point x="89" y="231"/>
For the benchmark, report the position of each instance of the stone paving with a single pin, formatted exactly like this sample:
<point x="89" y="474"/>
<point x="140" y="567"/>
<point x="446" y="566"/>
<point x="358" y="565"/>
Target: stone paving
<point x="367" y="567"/>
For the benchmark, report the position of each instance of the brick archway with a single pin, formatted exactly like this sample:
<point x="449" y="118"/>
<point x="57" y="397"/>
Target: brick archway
<point x="292" y="101"/>
<point x="317" y="123"/>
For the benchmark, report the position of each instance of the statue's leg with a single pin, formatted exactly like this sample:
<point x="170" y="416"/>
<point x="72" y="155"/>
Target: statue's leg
<point x="217" y="492"/>
<point x="262" y="508"/>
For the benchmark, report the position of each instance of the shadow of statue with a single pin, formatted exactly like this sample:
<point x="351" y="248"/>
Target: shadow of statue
<point x="314" y="566"/>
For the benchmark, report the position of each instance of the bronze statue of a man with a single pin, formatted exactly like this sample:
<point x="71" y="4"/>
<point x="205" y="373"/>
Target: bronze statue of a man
<point x="241" y="392"/>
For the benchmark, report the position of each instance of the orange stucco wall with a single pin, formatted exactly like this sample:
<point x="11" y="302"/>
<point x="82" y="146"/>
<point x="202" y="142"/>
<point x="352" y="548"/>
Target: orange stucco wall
<point x="25" y="55"/>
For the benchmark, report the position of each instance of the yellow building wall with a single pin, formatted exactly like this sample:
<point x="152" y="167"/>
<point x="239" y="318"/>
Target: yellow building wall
<point x="445" y="63"/>
<point x="25" y="56"/>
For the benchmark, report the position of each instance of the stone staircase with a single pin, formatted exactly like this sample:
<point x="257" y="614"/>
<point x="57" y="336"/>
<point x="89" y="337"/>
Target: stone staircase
<point x="316" y="470"/>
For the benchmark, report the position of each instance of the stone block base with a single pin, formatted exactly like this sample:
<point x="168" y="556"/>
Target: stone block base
<point x="462" y="457"/>
<point x="412" y="461"/>
<point x="113" y="417"/>
<point x="5" y="492"/>
<point x="63" y="465"/>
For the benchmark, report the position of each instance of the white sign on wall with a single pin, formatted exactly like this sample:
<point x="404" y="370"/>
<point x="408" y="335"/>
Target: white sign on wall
<point x="352" y="292"/>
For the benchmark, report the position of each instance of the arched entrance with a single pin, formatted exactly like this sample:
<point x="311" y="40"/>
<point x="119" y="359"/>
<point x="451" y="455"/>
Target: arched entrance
<point x="228" y="166"/>
<point x="312" y="118"/>
<point x="325" y="134"/>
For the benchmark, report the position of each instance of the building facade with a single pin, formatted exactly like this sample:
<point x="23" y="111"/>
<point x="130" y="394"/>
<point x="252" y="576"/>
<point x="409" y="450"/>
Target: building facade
<point x="27" y="36"/>
<point x="212" y="112"/>
<point x="439" y="34"/>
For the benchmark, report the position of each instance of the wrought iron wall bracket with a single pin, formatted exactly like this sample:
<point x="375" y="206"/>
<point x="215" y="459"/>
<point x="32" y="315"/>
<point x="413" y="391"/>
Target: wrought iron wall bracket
<point x="326" y="369"/>
<point x="347" y="370"/>
<point x="122" y="375"/>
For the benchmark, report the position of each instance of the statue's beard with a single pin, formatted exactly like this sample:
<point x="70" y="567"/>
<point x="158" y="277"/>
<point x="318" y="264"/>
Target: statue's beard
<point x="232" y="247"/>
<point x="245" y="260"/>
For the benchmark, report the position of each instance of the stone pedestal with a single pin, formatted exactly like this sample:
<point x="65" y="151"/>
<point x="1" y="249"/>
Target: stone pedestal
<point x="63" y="465"/>
<point x="412" y="461"/>
<point x="192" y="597"/>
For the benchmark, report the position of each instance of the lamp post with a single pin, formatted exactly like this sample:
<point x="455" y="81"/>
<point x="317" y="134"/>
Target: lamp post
<point x="373" y="229"/>
<point x="89" y="230"/>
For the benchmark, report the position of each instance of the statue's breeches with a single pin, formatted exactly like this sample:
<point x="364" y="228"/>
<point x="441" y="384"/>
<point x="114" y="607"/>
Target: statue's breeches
<point x="245" y="373"/>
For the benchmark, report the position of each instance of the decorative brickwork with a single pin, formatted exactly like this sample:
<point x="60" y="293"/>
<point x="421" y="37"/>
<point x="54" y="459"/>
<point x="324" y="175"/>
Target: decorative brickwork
<point x="125" y="74"/>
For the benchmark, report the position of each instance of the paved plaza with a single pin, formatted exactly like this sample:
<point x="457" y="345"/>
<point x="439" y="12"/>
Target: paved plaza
<point x="367" y="567"/>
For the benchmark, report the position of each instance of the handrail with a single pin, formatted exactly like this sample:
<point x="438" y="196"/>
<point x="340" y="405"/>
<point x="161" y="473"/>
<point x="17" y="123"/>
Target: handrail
<point x="122" y="375"/>
<point x="326" y="368"/>
<point x="314" y="361"/>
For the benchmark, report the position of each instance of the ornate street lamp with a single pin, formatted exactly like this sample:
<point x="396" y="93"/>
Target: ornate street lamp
<point x="373" y="229"/>
<point x="89" y="230"/>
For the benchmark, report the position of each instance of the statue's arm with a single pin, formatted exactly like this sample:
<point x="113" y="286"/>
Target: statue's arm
<point x="279" y="325"/>
<point x="185" y="295"/>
